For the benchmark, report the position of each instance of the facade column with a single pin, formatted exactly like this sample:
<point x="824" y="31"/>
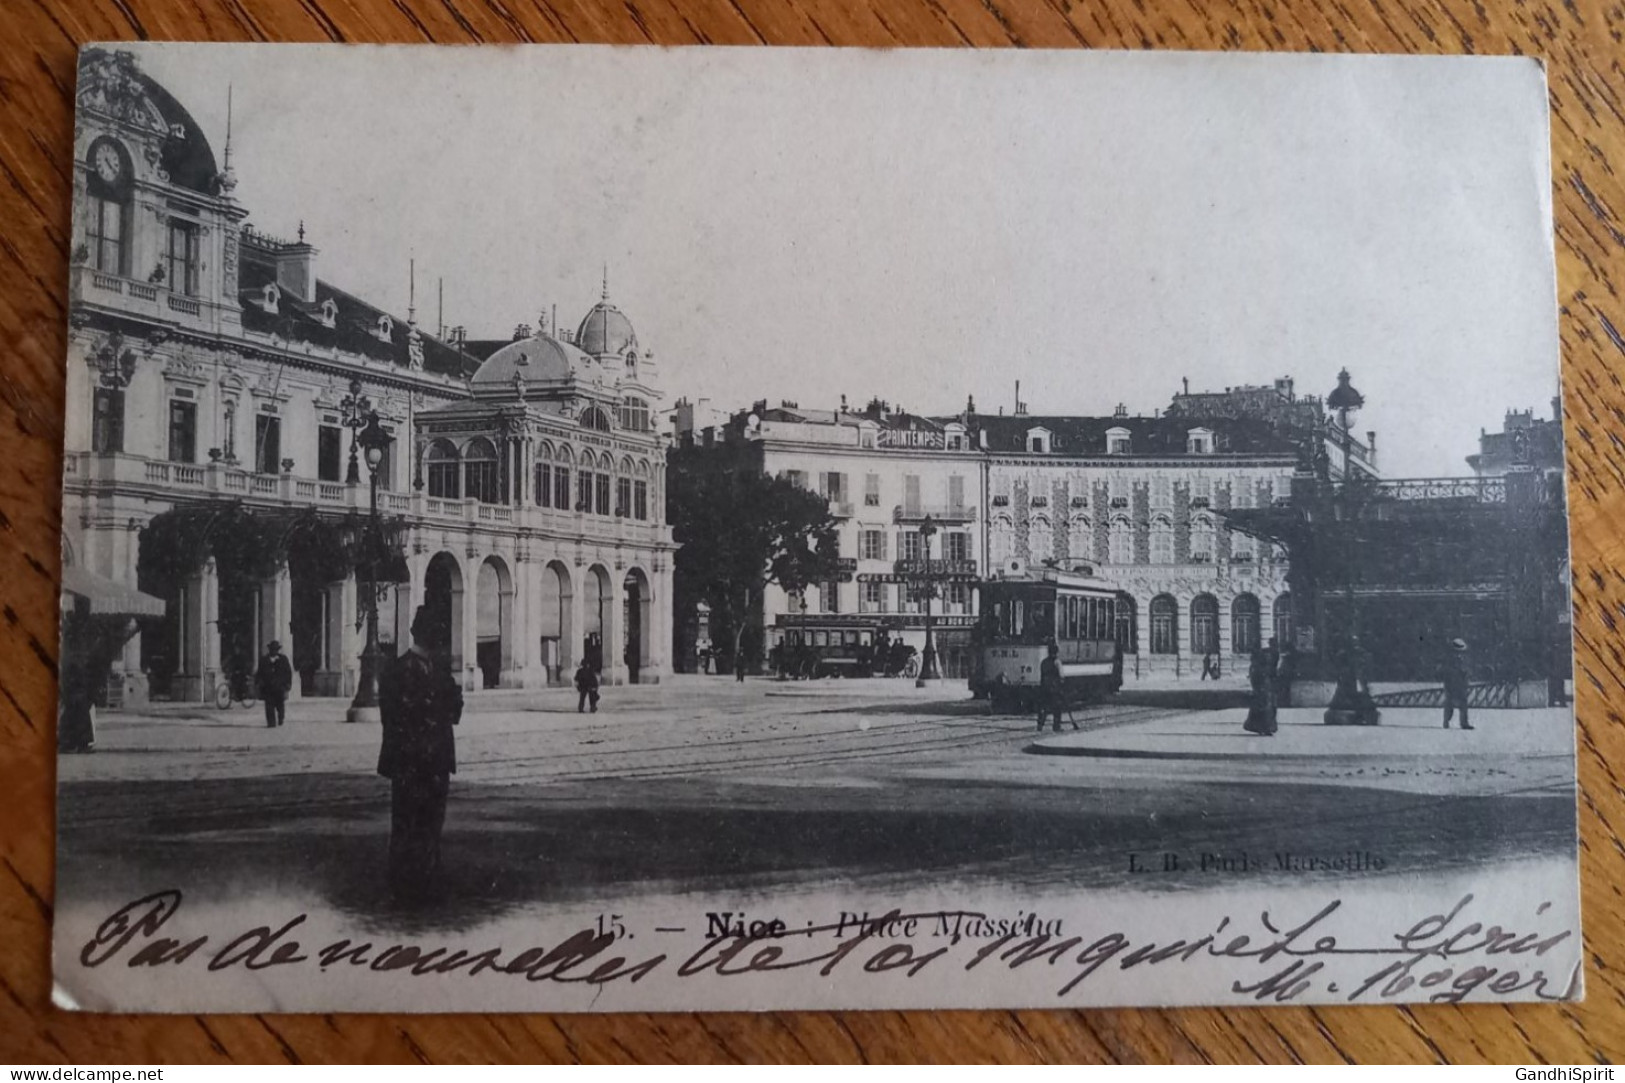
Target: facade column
<point x="417" y="566"/>
<point x="276" y="618"/>
<point x="1223" y="631"/>
<point x="575" y="637"/>
<point x="660" y="618"/>
<point x="615" y="627"/>
<point x="470" y="601"/>
<point x="128" y="677"/>
<point x="527" y="625"/>
<point x="1142" y="633"/>
<point x="206" y="611"/>
<point x="348" y="639"/>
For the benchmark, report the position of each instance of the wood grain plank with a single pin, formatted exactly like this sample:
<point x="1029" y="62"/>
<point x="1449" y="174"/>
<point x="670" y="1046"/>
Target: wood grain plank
<point x="1580" y="44"/>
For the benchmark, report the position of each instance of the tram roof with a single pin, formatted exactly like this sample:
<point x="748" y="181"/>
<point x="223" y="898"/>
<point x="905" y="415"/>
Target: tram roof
<point x="1049" y="577"/>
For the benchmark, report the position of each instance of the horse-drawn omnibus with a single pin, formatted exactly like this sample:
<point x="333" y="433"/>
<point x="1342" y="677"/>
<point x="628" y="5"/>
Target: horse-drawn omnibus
<point x="1021" y="611"/>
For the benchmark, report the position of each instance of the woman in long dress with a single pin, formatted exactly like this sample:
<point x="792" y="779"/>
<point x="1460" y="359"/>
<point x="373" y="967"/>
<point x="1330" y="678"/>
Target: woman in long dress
<point x="1261" y="675"/>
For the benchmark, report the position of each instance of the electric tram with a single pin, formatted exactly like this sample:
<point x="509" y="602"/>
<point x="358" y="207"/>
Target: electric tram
<point x="1022" y="611"/>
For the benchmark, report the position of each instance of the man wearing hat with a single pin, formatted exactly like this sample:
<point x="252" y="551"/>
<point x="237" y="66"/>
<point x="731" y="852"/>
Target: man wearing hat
<point x="274" y="679"/>
<point x="418" y="703"/>
<point x="1455" y="682"/>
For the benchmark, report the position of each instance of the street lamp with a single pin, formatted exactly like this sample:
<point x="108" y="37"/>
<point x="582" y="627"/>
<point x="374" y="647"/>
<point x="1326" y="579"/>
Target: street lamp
<point x="928" y="658"/>
<point x="374" y="440"/>
<point x="356" y="410"/>
<point x="1348" y="706"/>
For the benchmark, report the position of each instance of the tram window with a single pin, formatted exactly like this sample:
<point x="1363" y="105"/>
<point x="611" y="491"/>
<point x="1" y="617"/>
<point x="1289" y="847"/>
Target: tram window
<point x="1042" y="625"/>
<point x="1072" y="631"/>
<point x="1018" y="618"/>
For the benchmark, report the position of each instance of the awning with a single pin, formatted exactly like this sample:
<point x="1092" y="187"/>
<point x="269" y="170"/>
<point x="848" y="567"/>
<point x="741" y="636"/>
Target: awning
<point x="107" y="597"/>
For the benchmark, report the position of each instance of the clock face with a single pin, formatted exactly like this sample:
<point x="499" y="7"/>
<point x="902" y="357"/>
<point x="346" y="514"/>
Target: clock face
<point x="108" y="162"/>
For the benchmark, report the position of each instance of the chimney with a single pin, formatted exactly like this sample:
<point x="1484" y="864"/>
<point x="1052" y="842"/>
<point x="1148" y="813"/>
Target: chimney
<point x="296" y="268"/>
<point x="1557" y="408"/>
<point x="1186" y="381"/>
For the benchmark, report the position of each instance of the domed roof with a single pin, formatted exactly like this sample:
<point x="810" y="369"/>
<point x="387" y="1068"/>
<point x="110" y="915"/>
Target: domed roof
<point x="113" y="84"/>
<point x="538" y="359"/>
<point x="606" y="331"/>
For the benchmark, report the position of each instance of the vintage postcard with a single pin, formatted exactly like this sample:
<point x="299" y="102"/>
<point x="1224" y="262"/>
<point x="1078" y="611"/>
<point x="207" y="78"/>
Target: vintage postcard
<point x="597" y="529"/>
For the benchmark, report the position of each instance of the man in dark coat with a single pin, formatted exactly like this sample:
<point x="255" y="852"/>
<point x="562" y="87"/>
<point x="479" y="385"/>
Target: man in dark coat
<point x="587" y="686"/>
<point x="1051" y="690"/>
<point x="419" y="702"/>
<point x="1455" y="682"/>
<point x="274" y="680"/>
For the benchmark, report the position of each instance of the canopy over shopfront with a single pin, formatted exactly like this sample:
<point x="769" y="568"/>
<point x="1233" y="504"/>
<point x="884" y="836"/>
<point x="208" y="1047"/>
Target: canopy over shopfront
<point x="106" y="597"/>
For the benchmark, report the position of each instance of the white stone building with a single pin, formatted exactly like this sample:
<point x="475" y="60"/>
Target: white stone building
<point x="1134" y="498"/>
<point x="213" y="378"/>
<point x="884" y="473"/>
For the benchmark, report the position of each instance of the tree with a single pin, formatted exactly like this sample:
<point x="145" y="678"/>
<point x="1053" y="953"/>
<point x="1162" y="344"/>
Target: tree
<point x="741" y="531"/>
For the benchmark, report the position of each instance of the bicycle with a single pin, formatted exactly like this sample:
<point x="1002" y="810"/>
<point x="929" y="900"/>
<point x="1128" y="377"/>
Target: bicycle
<point x="238" y="687"/>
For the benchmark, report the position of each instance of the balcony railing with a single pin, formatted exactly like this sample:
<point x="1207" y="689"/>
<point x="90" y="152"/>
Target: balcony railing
<point x="193" y="479"/>
<point x="941" y="513"/>
<point x="841" y="509"/>
<point x="134" y="296"/>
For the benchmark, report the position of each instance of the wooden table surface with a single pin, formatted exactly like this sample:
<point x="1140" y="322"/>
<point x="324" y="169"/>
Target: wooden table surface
<point x="1582" y="43"/>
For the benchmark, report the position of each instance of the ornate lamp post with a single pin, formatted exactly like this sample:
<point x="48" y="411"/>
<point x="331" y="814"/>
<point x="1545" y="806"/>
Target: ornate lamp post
<point x="374" y="441"/>
<point x="1348" y="706"/>
<point x="357" y="411"/>
<point x="928" y="657"/>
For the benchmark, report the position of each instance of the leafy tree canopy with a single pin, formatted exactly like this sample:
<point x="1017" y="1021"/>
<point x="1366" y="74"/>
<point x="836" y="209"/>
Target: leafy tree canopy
<point x="741" y="531"/>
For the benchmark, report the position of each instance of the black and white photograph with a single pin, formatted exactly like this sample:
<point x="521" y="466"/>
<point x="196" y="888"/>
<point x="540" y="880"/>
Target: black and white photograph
<point x="577" y="528"/>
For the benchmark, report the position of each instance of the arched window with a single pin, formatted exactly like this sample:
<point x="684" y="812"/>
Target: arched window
<point x="1203" y="535"/>
<point x="623" y="490"/>
<point x="1204" y="624"/>
<point x="1127" y="630"/>
<point x="1162" y="540"/>
<point x="1080" y="538"/>
<point x="480" y="472"/>
<point x="1002" y="540"/>
<point x="1244" y="638"/>
<point x="602" y="484"/>
<point x="542" y="482"/>
<point x="1284" y="630"/>
<point x="107" y="216"/>
<point x="444" y="470"/>
<point x="594" y="418"/>
<point x="1040" y="539"/>
<point x="1164" y="625"/>
<point x="635" y="414"/>
<point x="1122" y="541"/>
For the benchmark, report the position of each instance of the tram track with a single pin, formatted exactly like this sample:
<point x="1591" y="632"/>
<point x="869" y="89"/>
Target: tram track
<point x="859" y="745"/>
<point x="809" y="750"/>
